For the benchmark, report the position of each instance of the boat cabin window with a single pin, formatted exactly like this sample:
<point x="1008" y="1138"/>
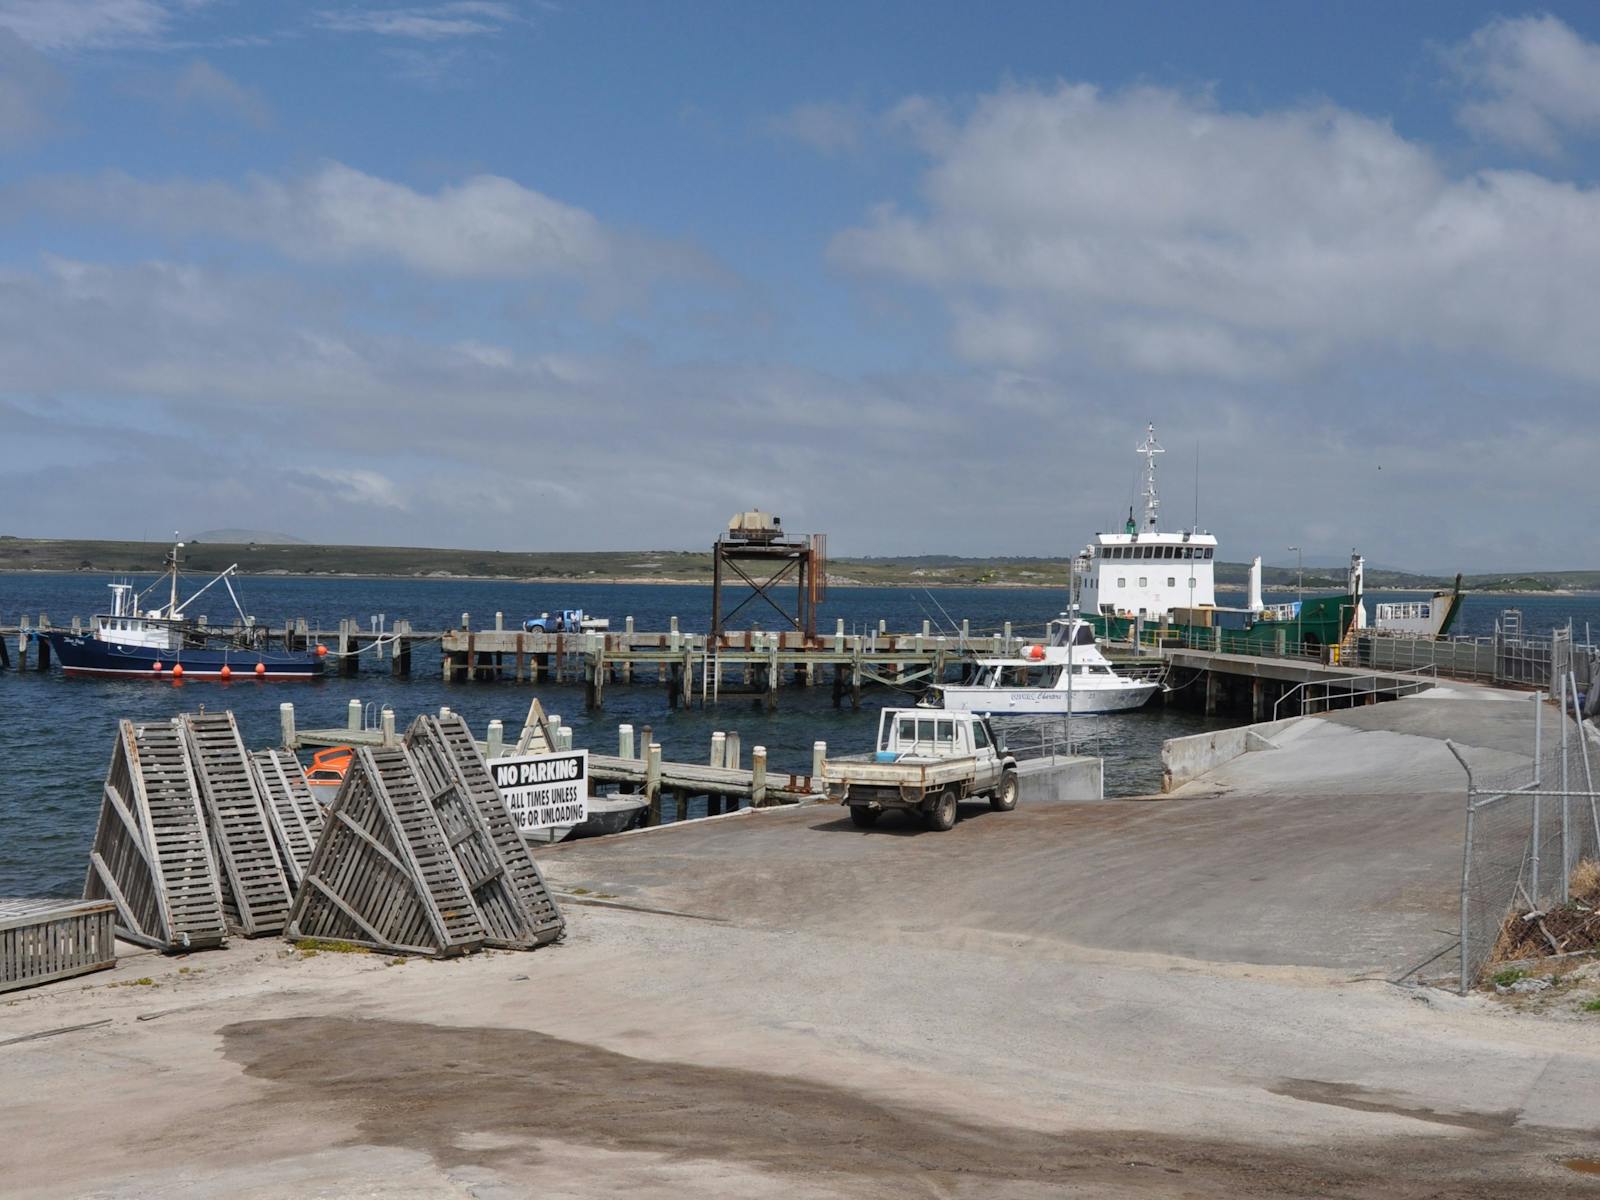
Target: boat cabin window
<point x="1144" y="581"/>
<point x="1172" y="581"/>
<point x="1122" y="581"/>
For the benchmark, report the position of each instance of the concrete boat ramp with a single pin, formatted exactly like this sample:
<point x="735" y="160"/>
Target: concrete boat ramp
<point x="1185" y="996"/>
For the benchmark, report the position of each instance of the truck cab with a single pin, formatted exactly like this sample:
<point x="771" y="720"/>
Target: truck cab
<point x="925" y="761"/>
<point x="568" y="620"/>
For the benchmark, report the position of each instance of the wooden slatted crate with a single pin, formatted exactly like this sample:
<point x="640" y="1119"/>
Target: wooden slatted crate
<point x="152" y="855"/>
<point x="255" y="893"/>
<point x="517" y="908"/>
<point x="45" y="940"/>
<point x="383" y="874"/>
<point x="296" y="817"/>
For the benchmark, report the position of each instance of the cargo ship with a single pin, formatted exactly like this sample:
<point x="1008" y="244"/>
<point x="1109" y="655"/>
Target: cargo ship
<point x="1144" y="585"/>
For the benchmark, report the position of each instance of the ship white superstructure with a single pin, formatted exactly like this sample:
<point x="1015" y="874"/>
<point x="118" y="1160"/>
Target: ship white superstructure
<point x="1144" y="571"/>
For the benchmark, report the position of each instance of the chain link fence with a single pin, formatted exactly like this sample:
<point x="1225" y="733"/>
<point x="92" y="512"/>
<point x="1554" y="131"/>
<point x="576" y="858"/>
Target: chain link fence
<point x="1529" y="830"/>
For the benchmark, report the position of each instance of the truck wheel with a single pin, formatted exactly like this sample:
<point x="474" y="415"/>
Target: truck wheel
<point x="863" y="817"/>
<point x="1005" y="796"/>
<point x="942" y="816"/>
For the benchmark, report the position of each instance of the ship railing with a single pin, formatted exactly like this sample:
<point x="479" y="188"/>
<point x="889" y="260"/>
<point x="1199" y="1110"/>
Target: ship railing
<point x="1217" y="640"/>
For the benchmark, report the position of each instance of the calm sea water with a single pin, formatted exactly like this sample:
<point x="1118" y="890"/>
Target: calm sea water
<point x="57" y="734"/>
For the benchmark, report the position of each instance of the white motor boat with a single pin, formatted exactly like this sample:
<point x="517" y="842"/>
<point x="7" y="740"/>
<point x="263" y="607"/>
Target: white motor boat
<point x="1066" y="674"/>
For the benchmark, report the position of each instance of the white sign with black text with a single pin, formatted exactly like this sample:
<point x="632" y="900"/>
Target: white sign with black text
<point x="543" y="790"/>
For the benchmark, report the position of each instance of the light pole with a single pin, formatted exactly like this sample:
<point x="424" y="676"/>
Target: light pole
<point x="1299" y="618"/>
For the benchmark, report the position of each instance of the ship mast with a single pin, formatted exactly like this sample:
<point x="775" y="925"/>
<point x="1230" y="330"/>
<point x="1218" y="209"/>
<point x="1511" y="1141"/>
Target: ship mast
<point x="1150" y="448"/>
<point x="172" y="606"/>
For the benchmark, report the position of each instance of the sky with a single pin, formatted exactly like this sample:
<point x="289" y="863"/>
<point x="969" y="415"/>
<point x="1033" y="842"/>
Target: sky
<point x="597" y="275"/>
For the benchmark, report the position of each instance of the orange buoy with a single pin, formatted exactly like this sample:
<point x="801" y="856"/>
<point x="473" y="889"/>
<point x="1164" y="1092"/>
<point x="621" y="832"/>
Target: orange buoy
<point x="177" y="670"/>
<point x="261" y="668"/>
<point x="157" y="667"/>
<point x="322" y="651"/>
<point x="1035" y="652"/>
<point x="226" y="672"/>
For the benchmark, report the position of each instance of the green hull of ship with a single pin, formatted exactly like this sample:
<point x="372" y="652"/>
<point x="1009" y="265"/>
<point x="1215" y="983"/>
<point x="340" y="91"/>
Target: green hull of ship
<point x="1323" y="621"/>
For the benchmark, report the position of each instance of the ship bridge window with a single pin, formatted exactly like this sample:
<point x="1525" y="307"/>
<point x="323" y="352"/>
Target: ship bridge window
<point x="1208" y="551"/>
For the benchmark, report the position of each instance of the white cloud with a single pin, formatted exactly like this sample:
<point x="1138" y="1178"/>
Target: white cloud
<point x="1148" y="230"/>
<point x="114" y="372"/>
<point x="1534" y="79"/>
<point x="345" y="485"/>
<point x="91" y="24"/>
<point x="200" y="85"/>
<point x="30" y="90"/>
<point x="826" y="127"/>
<point x="486" y="227"/>
<point x="430" y="22"/>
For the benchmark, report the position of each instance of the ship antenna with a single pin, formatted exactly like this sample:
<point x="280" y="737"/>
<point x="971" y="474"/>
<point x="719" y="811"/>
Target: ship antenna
<point x="1150" y="448"/>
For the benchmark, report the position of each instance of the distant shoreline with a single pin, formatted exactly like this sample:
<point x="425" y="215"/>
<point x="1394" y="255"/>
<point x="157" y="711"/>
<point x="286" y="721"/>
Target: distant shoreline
<point x="635" y="581"/>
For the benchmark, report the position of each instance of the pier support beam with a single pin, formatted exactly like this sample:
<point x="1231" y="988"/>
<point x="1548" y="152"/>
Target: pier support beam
<point x="1212" y="687"/>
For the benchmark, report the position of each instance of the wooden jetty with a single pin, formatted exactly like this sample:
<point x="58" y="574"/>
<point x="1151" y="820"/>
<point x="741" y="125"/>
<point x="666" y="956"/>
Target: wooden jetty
<point x="637" y="768"/>
<point x="689" y="666"/>
<point x="1267" y="687"/>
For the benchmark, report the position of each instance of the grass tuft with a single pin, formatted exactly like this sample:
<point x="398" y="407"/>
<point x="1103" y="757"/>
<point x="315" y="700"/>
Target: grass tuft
<point x="313" y="946"/>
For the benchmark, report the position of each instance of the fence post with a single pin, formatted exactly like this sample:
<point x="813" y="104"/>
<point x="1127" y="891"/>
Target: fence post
<point x="1466" y="879"/>
<point x="1566" y="801"/>
<point x="1466" y="871"/>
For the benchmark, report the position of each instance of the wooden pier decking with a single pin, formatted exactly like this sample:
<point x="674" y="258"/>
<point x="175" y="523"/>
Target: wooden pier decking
<point x="689" y="666"/>
<point x="722" y="780"/>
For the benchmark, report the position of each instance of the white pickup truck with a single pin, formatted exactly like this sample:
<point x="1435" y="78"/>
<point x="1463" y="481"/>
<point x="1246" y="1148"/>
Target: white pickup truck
<point x="927" y="761"/>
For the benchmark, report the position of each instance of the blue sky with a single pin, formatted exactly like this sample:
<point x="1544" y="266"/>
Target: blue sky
<point x="529" y="275"/>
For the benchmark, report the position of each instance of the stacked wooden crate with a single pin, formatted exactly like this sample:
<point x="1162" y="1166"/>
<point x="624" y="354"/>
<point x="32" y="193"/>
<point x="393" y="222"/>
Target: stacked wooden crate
<point x="45" y="940"/>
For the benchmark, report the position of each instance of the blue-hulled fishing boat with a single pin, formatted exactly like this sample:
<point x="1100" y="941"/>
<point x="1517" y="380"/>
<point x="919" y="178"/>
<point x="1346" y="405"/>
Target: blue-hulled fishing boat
<point x="163" y="643"/>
